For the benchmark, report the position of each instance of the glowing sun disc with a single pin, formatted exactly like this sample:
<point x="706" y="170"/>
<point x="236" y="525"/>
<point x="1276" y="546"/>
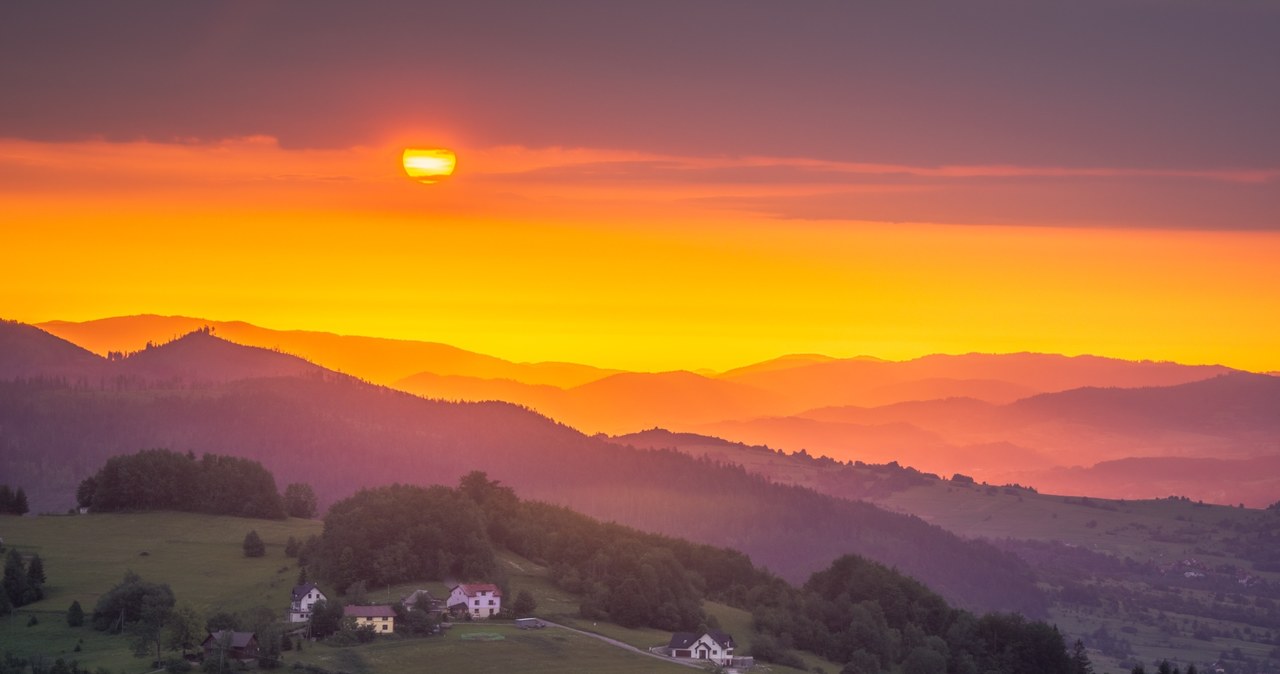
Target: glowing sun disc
<point x="429" y="165"/>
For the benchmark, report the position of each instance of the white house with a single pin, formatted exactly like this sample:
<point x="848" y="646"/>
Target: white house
<point x="479" y="600"/>
<point x="304" y="598"/>
<point x="713" y="645"/>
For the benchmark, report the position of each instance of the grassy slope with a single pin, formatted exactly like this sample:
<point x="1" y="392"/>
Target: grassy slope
<point x="1160" y="530"/>
<point x="536" y="651"/>
<point x="200" y="557"/>
<point x="1163" y="531"/>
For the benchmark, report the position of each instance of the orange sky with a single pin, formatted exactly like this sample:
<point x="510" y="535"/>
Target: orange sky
<point x="622" y="258"/>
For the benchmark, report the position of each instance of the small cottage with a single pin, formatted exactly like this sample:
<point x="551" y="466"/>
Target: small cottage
<point x="421" y="600"/>
<point x="231" y="645"/>
<point x="478" y="600"/>
<point x="303" y="599"/>
<point x="713" y="645"/>
<point x="381" y="618"/>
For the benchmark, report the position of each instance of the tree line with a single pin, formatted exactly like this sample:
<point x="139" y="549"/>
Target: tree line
<point x="160" y="479"/>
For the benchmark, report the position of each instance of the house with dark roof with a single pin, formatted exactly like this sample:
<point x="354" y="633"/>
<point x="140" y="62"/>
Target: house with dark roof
<point x="478" y="600"/>
<point x="421" y="600"/>
<point x="381" y="618"/>
<point x="712" y="645"/>
<point x="304" y="597"/>
<point x="231" y="645"/>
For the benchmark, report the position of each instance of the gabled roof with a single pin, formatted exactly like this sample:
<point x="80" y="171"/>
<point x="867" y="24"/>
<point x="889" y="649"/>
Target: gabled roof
<point x="687" y="639"/>
<point x="472" y="589"/>
<point x="238" y="639"/>
<point x="300" y="591"/>
<point x="417" y="596"/>
<point x="368" y="612"/>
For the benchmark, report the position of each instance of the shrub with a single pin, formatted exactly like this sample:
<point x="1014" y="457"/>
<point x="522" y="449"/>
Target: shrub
<point x="253" y="545"/>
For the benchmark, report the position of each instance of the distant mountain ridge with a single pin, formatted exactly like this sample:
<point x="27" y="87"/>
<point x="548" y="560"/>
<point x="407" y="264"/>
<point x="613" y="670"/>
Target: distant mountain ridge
<point x="376" y="359"/>
<point x="194" y="358"/>
<point x="25" y="351"/>
<point x="1026" y="417"/>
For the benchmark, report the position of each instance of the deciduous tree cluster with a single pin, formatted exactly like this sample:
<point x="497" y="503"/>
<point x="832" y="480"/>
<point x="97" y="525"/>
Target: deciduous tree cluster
<point x="159" y="479"/>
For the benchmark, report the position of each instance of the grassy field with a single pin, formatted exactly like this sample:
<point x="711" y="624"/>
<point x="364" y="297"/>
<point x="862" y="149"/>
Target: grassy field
<point x="545" y="651"/>
<point x="200" y="557"/>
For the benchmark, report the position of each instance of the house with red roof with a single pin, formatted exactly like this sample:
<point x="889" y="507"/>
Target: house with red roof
<point x="478" y="600"/>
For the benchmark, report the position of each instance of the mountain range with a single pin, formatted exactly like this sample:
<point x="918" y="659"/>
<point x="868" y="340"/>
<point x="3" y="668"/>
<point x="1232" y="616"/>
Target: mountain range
<point x="1054" y="422"/>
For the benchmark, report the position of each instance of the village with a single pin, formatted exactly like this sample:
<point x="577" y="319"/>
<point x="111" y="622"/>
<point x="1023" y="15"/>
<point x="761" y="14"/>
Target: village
<point x="709" y="649"/>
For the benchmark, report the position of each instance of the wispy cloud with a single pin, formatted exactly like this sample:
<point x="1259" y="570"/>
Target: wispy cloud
<point x="597" y="184"/>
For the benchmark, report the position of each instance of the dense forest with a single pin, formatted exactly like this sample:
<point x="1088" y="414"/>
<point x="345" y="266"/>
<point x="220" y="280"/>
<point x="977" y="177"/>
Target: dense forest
<point x="339" y="434"/>
<point x="159" y="479"/>
<point x="856" y="611"/>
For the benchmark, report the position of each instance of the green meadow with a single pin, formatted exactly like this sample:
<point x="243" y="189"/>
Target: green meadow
<point x="200" y="557"/>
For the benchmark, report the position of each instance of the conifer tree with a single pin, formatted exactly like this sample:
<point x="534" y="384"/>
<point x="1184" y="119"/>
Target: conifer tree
<point x="15" y="578"/>
<point x="35" y="579"/>
<point x="75" y="614"/>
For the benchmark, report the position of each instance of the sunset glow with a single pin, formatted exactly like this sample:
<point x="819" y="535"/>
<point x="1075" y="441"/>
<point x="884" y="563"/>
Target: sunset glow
<point x="593" y="226"/>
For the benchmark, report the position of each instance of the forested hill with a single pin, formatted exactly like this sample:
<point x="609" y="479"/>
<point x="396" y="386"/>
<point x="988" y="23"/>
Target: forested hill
<point x="340" y="434"/>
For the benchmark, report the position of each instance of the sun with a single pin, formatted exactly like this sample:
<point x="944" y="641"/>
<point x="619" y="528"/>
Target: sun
<point x="429" y="165"/>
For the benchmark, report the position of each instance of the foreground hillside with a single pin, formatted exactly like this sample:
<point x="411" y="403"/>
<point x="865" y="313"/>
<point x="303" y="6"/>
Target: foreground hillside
<point x="200" y="557"/>
<point x="340" y="434"/>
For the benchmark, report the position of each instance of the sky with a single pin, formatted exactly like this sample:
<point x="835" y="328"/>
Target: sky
<point x="657" y="185"/>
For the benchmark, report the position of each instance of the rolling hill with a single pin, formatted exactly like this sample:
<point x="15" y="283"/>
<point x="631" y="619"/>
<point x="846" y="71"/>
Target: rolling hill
<point x="1137" y="580"/>
<point x="341" y="434"/>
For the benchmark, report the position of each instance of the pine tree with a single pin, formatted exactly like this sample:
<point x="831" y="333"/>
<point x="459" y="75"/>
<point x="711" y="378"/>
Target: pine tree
<point x="35" y="579"/>
<point x="75" y="614"/>
<point x="20" y="502"/>
<point x="15" y="578"/>
<point x="1080" y="659"/>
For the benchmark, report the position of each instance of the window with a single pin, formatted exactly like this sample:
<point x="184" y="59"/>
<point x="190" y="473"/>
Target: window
<point x="491" y="602"/>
